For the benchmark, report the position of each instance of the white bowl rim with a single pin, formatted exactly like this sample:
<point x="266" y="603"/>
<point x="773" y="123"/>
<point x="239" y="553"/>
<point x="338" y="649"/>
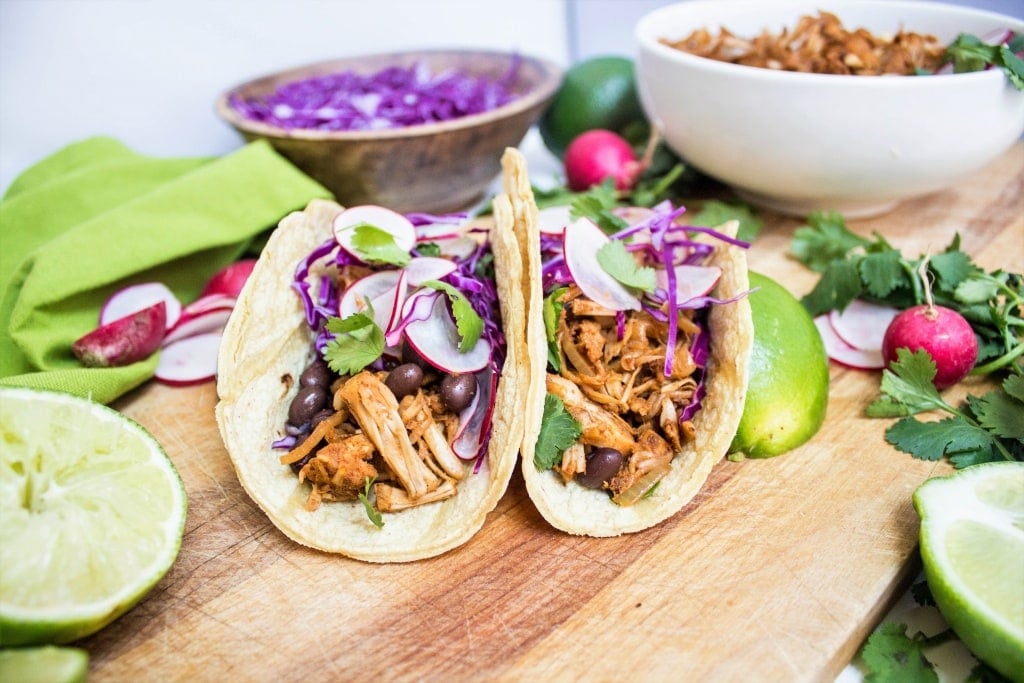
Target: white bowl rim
<point x="553" y="75"/>
<point x="647" y="38"/>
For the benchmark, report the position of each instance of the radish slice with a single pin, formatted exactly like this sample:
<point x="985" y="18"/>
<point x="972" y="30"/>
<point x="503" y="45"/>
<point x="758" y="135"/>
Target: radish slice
<point x="367" y="290"/>
<point x="191" y="360"/>
<point x="230" y="279"/>
<point x="633" y="214"/>
<point x="210" y="320"/>
<point x="844" y="354"/>
<point x="387" y="306"/>
<point x="431" y="231"/>
<point x="862" y="324"/>
<point x="691" y="281"/>
<point x="423" y="268"/>
<point x="553" y="219"/>
<point x="135" y="298"/>
<point x="210" y="302"/>
<point x="398" y="226"/>
<point x="436" y="340"/>
<point x="580" y="243"/>
<point x="472" y="419"/>
<point x="461" y="247"/>
<point x="418" y="306"/>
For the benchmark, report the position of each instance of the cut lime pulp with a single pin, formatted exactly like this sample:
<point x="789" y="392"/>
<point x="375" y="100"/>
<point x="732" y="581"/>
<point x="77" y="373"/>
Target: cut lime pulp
<point x="93" y="515"/>
<point x="45" y="664"/>
<point x="972" y="548"/>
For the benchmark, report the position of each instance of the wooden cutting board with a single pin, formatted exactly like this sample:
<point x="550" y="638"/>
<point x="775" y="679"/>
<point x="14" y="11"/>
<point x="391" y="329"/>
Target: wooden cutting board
<point x="777" y="570"/>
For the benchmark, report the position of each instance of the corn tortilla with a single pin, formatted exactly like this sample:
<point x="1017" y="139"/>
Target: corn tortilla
<point x="581" y="511"/>
<point x="267" y="344"/>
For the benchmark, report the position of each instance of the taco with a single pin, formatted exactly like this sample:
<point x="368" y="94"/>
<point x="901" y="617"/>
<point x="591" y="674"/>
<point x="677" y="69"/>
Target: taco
<point x="644" y="333"/>
<point x="368" y="378"/>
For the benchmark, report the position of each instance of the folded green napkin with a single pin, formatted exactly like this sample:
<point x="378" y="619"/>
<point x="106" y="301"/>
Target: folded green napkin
<point x="97" y="216"/>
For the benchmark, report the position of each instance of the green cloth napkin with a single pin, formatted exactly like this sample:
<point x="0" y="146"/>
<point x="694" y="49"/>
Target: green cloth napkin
<point x="97" y="216"/>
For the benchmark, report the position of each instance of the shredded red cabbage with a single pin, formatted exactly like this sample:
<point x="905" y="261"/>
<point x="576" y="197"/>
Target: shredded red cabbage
<point x="394" y="97"/>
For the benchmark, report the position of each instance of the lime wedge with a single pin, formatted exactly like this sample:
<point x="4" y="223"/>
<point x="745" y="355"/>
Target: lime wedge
<point x="972" y="547"/>
<point x="93" y="514"/>
<point x="46" y="664"/>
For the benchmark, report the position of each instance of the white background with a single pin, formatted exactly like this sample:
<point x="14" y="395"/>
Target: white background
<point x="148" y="71"/>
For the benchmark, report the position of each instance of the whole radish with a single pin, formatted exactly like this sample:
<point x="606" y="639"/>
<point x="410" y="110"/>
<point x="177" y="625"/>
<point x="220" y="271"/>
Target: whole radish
<point x="942" y="332"/>
<point x="598" y="154"/>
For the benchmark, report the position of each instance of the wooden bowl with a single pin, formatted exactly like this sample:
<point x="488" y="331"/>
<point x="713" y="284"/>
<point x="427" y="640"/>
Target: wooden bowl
<point x="436" y="167"/>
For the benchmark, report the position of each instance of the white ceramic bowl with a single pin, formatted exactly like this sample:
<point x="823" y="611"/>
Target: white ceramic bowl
<point x="799" y="142"/>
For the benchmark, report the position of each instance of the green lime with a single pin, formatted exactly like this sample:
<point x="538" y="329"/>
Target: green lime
<point x="93" y="514"/>
<point x="972" y="548"/>
<point x="45" y="664"/>
<point x="788" y="385"/>
<point x="599" y="92"/>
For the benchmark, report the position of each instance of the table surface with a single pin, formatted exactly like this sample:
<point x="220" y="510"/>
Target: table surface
<point x="777" y="570"/>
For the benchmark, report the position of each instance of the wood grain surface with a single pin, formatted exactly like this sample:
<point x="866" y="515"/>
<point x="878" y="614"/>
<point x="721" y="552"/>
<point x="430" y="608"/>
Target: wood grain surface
<point x="776" y="571"/>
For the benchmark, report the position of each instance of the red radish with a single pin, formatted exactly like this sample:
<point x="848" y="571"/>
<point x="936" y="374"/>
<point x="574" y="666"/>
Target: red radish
<point x="942" y="332"/>
<point x="553" y="219"/>
<point x="230" y="279"/>
<point x="209" y="302"/>
<point x="469" y="438"/>
<point x="366" y="290"/>
<point x="580" y="244"/>
<point x="125" y="340"/>
<point x="461" y="246"/>
<point x="691" y="281"/>
<point x="423" y="268"/>
<point x="862" y="324"/>
<point x="844" y="354"/>
<point x="598" y="154"/>
<point x="137" y="297"/>
<point x="191" y="360"/>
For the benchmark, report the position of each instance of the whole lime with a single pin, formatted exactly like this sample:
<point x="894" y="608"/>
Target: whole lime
<point x="599" y="92"/>
<point x="787" y="394"/>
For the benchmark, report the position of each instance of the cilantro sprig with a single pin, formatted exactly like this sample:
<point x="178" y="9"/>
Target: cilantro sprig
<point x="357" y="342"/>
<point x="621" y="265"/>
<point x="970" y="53"/>
<point x="371" y="510"/>
<point x="375" y="245"/>
<point x="984" y="428"/>
<point x="468" y="322"/>
<point x="853" y="266"/>
<point x="558" y="431"/>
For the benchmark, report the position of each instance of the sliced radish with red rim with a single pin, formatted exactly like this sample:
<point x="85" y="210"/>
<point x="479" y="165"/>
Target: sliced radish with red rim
<point x="398" y="226"/>
<point x="461" y="247"/>
<point x="691" y="281"/>
<point x="367" y="289"/>
<point x="424" y="268"/>
<point x="230" y="279"/>
<point x="191" y="360"/>
<point x="580" y="244"/>
<point x="862" y="324"/>
<point x="553" y="219"/>
<point x="209" y="320"/>
<point x="844" y="354"/>
<point x="436" y="339"/>
<point x="472" y="420"/>
<point x="135" y="298"/>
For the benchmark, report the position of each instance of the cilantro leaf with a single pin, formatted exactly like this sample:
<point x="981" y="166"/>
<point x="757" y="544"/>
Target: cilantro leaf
<point x="558" y="431"/>
<point x="371" y="511"/>
<point x="839" y="285"/>
<point x="970" y="53"/>
<point x="621" y="265"/>
<point x="715" y="212"/>
<point x="467" y="320"/>
<point x="1000" y="413"/>
<point x="882" y="272"/>
<point x="908" y="381"/>
<point x="378" y="246"/>
<point x="948" y="437"/>
<point x="552" y="311"/>
<point x="825" y="239"/>
<point x="428" y="249"/>
<point x="597" y="204"/>
<point x="357" y="342"/>
<point x="891" y="656"/>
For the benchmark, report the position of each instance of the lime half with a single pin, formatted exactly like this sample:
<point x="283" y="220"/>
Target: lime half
<point x="45" y="664"/>
<point x="93" y="514"/>
<point x="972" y="547"/>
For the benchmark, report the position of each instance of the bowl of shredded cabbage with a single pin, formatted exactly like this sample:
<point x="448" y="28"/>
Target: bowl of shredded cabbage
<point x="837" y="105"/>
<point x="419" y="130"/>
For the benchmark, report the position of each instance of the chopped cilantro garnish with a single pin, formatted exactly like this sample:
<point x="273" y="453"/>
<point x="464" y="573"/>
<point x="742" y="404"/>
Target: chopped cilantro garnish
<point x="552" y="312"/>
<point x="714" y="212"/>
<point x="378" y="246"/>
<point x="357" y="342"/>
<point x="371" y="511"/>
<point x="467" y="320"/>
<point x="621" y="265"/>
<point x="558" y="431"/>
<point x="892" y="656"/>
<point x="969" y="53"/>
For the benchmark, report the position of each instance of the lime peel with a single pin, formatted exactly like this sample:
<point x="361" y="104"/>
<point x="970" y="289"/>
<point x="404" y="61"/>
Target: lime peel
<point x="972" y="545"/>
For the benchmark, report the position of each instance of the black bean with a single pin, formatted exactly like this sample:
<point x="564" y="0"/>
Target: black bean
<point x="458" y="391"/>
<point x="317" y="374"/>
<point x="319" y="417"/>
<point x="411" y="355"/>
<point x="307" y="403"/>
<point x="404" y="380"/>
<point x="602" y="464"/>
